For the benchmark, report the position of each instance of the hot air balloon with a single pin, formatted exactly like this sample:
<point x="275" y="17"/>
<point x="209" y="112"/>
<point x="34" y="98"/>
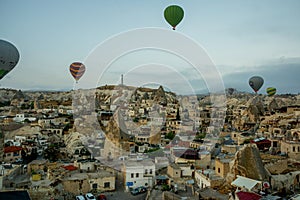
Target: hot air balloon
<point x="256" y="82"/>
<point x="9" y="57"/>
<point x="173" y="15"/>
<point x="77" y="70"/>
<point x="271" y="91"/>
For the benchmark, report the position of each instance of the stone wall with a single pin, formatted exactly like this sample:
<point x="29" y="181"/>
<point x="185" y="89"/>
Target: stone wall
<point x="278" y="167"/>
<point x="76" y="186"/>
<point x="291" y="148"/>
<point x="222" y="168"/>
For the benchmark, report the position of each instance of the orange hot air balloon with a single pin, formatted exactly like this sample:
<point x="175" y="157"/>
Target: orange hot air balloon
<point x="77" y="70"/>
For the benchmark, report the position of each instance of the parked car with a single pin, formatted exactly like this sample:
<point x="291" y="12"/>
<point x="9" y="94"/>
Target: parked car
<point x="89" y="196"/>
<point x="138" y="190"/>
<point x="295" y="197"/>
<point x="80" y="197"/>
<point x="102" y="197"/>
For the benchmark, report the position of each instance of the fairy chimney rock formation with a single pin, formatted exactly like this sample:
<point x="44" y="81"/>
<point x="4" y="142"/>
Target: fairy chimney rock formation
<point x="248" y="163"/>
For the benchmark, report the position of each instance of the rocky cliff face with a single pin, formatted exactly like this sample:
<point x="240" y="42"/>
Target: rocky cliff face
<point x="7" y="94"/>
<point x="273" y="105"/>
<point x="255" y="108"/>
<point x="160" y="96"/>
<point x="248" y="163"/>
<point x="117" y="140"/>
<point x="254" y="112"/>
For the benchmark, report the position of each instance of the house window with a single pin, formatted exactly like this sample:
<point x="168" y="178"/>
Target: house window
<point x="146" y="171"/>
<point x="95" y="185"/>
<point x="219" y="170"/>
<point x="132" y="175"/>
<point x="150" y="171"/>
<point x="294" y="149"/>
<point x="106" y="184"/>
<point x="137" y="175"/>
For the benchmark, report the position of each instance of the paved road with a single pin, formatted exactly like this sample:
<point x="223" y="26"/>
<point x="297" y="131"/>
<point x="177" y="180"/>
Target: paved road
<point x="119" y="195"/>
<point x="156" y="195"/>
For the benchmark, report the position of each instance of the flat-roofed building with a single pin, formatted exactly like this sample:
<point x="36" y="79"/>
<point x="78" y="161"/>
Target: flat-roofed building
<point x="139" y="173"/>
<point x="208" y="178"/>
<point x="222" y="167"/>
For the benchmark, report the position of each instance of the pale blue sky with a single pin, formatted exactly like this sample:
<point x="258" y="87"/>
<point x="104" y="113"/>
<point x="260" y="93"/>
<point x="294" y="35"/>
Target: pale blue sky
<point x="243" y="38"/>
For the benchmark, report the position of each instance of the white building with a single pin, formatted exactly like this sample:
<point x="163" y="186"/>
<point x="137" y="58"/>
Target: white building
<point x="19" y="139"/>
<point x="139" y="173"/>
<point x="86" y="165"/>
<point x="22" y="118"/>
<point x="208" y="178"/>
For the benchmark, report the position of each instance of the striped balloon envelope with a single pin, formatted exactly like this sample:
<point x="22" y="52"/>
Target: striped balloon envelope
<point x="271" y="91"/>
<point x="77" y="70"/>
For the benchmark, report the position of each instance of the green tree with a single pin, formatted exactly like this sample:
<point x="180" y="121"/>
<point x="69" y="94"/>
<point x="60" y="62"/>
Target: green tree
<point x="170" y="135"/>
<point x="200" y="135"/>
<point x="135" y="119"/>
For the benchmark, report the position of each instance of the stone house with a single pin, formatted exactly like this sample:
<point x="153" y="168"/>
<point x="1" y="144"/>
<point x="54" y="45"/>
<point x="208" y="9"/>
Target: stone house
<point x="101" y="181"/>
<point x="208" y="178"/>
<point x="76" y="183"/>
<point x="85" y="165"/>
<point x="36" y="165"/>
<point x="186" y="170"/>
<point x="222" y="167"/>
<point x="142" y="137"/>
<point x="289" y="181"/>
<point x="291" y="148"/>
<point x="12" y="153"/>
<point x="277" y="167"/>
<point x="196" y="144"/>
<point x="174" y="171"/>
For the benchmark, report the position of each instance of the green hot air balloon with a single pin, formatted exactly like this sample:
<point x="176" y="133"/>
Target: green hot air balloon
<point x="271" y="91"/>
<point x="173" y="15"/>
<point x="256" y="82"/>
<point x="9" y="57"/>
